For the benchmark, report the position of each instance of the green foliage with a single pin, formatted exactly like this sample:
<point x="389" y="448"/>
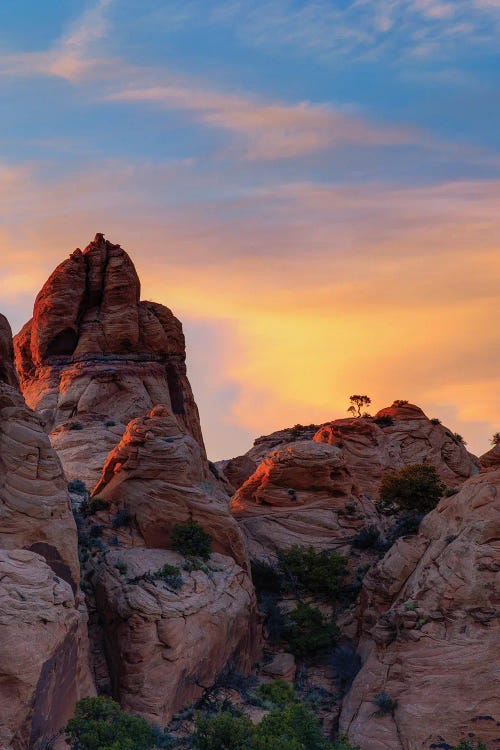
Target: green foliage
<point x="320" y="573"/>
<point x="435" y="421"/>
<point x="384" y="421"/>
<point x="100" y="724"/>
<point x="458" y="438"/>
<point x="469" y="745"/>
<point x="416" y="488"/>
<point x="266" y="577"/>
<point x="279" y="693"/>
<point x="109" y="423"/>
<point x="122" y="518"/>
<point x="121" y="567"/>
<point x="308" y="633"/>
<point x="191" y="540"/>
<point x="169" y="574"/>
<point x="75" y="426"/>
<point x="77" y="486"/>
<point x="357" y="402"/>
<point x="293" y="727"/>
<point x="367" y="538"/>
<point x="384" y="703"/>
<point x="343" y="744"/>
<point x="223" y="732"/>
<point x="96" y="504"/>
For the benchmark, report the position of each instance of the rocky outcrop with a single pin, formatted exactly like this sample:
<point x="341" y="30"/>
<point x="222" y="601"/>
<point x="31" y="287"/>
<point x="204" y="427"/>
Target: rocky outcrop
<point x="7" y="370"/>
<point x="302" y="493"/>
<point x="167" y="644"/>
<point x="94" y="350"/>
<point x="430" y="630"/>
<point x="491" y="459"/>
<point x="43" y="641"/>
<point x="43" y="667"/>
<point x="159" y="477"/>
<point x="397" y="436"/>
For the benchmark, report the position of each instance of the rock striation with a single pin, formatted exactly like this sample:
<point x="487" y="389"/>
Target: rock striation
<point x="302" y="493"/>
<point x="93" y="351"/>
<point x="43" y="640"/>
<point x="167" y="644"/>
<point x="398" y="435"/>
<point x="430" y="629"/>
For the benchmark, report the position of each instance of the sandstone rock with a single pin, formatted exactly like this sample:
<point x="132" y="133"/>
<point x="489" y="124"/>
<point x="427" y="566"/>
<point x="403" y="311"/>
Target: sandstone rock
<point x="159" y="476"/>
<point x="430" y="630"/>
<point x="491" y="459"/>
<point x="236" y="471"/>
<point x="93" y="349"/>
<point x="166" y="645"/>
<point x="304" y="494"/>
<point x="370" y="449"/>
<point x="281" y="667"/>
<point x="7" y="370"/>
<point x="43" y="668"/>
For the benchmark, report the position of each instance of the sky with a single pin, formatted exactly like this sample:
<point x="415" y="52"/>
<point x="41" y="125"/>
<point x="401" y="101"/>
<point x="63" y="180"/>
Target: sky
<point x="312" y="186"/>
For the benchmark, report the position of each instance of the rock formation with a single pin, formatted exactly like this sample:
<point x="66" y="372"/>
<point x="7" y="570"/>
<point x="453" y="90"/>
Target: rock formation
<point x="43" y="641"/>
<point x="431" y="630"/>
<point x="302" y="493"/>
<point x="491" y="459"/>
<point x="166" y="645"/>
<point x="159" y="477"/>
<point x="93" y="351"/>
<point x="163" y="645"/>
<point x="398" y="435"/>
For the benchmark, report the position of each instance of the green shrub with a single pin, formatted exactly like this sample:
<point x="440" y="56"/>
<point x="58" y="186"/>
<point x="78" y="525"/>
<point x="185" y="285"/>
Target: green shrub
<point x="384" y="703"/>
<point x="308" y="633"/>
<point x="77" y="486"/>
<point x="109" y="423"/>
<point x="223" y="732"/>
<point x="266" y="577"/>
<point x="75" y="426"/>
<point x="435" y="420"/>
<point x="459" y="439"/>
<point x="367" y="538"/>
<point x="191" y="540"/>
<point x="291" y="728"/>
<point x="469" y="745"/>
<point x="100" y="724"/>
<point x="320" y="573"/>
<point x="384" y="421"/>
<point x="278" y="692"/>
<point x="96" y="504"/>
<point x="122" y="518"/>
<point x="170" y="574"/>
<point x="416" y="488"/>
<point x="495" y="438"/>
<point x="121" y="567"/>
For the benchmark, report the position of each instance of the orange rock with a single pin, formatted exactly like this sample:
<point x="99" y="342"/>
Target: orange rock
<point x="93" y="349"/>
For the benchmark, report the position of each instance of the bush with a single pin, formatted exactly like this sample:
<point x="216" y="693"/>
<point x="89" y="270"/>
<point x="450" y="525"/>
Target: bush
<point x="345" y="663"/>
<point x="384" y="703"/>
<point x="100" y="724"/>
<point x="384" y="421"/>
<point x="279" y="693"/>
<point x="223" y="732"/>
<point x="122" y="518"/>
<point x="95" y="504"/>
<point x="109" y="423"/>
<point x="75" y="426"/>
<point x="170" y="574"/>
<point x="416" y="487"/>
<point x="435" y="420"/>
<point x="266" y="577"/>
<point x="459" y="439"/>
<point x="400" y="402"/>
<point x="469" y="745"/>
<point x="77" y="486"/>
<point x="121" y="567"/>
<point x="308" y="633"/>
<point x="495" y="438"/>
<point x="291" y="728"/>
<point x="275" y="618"/>
<point x="191" y="540"/>
<point x="213" y="468"/>
<point x="313" y="572"/>
<point x="367" y="538"/>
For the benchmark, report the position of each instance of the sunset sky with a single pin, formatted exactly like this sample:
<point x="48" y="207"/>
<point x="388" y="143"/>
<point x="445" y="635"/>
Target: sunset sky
<point x="312" y="186"/>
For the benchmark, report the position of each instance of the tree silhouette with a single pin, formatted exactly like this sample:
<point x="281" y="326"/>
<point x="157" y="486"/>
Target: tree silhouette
<point x="357" y="402"/>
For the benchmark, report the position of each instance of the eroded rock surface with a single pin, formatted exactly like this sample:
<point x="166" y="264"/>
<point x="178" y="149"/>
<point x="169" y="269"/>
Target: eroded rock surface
<point x="302" y="493"/>
<point x="167" y="645"/>
<point x="371" y="447"/>
<point x="93" y="349"/>
<point x="430" y="630"/>
<point x="158" y="475"/>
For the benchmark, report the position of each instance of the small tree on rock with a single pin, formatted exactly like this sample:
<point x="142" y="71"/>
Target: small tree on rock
<point x="357" y="403"/>
<point x="495" y="440"/>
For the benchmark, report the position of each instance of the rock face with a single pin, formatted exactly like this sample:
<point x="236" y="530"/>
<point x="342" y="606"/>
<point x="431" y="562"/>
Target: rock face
<point x="166" y="645"/>
<point x="491" y="459"/>
<point x="302" y="493"/>
<point x="163" y="645"/>
<point x="371" y="447"/>
<point x="7" y="370"/>
<point x="93" y="349"/>
<point x="43" y="642"/>
<point x="159" y="476"/>
<point x="431" y="628"/>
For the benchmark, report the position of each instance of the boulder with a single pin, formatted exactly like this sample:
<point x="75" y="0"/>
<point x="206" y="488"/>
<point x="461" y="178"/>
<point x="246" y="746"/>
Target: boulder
<point x="166" y="644"/>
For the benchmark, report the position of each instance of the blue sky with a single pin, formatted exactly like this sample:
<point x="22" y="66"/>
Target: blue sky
<point x="307" y="184"/>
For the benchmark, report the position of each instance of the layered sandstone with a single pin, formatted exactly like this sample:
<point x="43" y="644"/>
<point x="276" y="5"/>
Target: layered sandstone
<point x="430" y="630"/>
<point x="491" y="459"/>
<point x="43" y="640"/>
<point x="302" y="493"/>
<point x="167" y="645"/>
<point x="398" y="435"/>
<point x="94" y="350"/>
<point x="159" y="476"/>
